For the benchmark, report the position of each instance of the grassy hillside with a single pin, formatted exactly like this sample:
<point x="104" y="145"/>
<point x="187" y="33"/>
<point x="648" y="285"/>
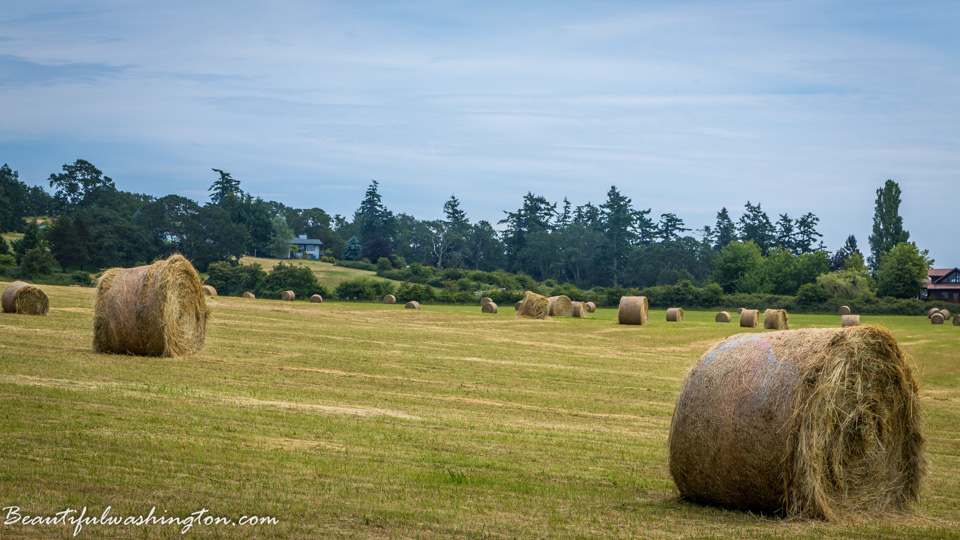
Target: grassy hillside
<point x="365" y="420"/>
<point x="329" y="275"/>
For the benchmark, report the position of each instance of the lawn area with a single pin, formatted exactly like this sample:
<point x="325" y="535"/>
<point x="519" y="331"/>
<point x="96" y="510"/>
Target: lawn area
<point x="327" y="274"/>
<point x="366" y="420"/>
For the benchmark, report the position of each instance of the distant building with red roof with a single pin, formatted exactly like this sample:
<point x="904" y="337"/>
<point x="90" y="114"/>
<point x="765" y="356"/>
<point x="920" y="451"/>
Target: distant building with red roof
<point x="942" y="284"/>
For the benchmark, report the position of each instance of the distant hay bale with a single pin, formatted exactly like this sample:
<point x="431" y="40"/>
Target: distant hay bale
<point x="723" y="317"/>
<point x="413" y="304"/>
<point x="485" y="300"/>
<point x="931" y="311"/>
<point x="516" y="306"/>
<point x="675" y="314"/>
<point x="489" y="307"/>
<point x="154" y="310"/>
<point x="775" y="319"/>
<point x="249" y="294"/>
<point x="534" y="306"/>
<point x="750" y="318"/>
<point x="316" y="299"/>
<point x="815" y="423"/>
<point x="844" y="310"/>
<point x="849" y="320"/>
<point x="937" y="318"/>
<point x="739" y="310"/>
<point x="956" y="320"/>
<point x="633" y="310"/>
<point x="25" y="299"/>
<point x="208" y="290"/>
<point x="945" y="313"/>
<point x="389" y="299"/>
<point x="591" y="307"/>
<point x="580" y="310"/>
<point x="288" y="296"/>
<point x="560" y="306"/>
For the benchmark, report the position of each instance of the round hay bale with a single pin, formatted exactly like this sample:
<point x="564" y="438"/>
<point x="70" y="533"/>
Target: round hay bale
<point x="534" y="306"/>
<point x="489" y="307"/>
<point x="956" y="320"/>
<point x="723" y="317"/>
<point x="591" y="307"/>
<point x="25" y="299"/>
<point x="154" y="310"/>
<point x="945" y="313"/>
<point x="739" y="310"/>
<point x="486" y="300"/>
<point x="775" y="319"/>
<point x="818" y="423"/>
<point x="675" y="314"/>
<point x="249" y="294"/>
<point x="849" y="320"/>
<point x="560" y="306"/>
<point x="516" y="307"/>
<point x="931" y="311"/>
<point x="633" y="310"/>
<point x="937" y="318"/>
<point x="288" y="296"/>
<point x="389" y="299"/>
<point x="413" y="304"/>
<point x="844" y="310"/>
<point x="750" y="318"/>
<point x="316" y="299"/>
<point x="208" y="290"/>
<point x="580" y="310"/>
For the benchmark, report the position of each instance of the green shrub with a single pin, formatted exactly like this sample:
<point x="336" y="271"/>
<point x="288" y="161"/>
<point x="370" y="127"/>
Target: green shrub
<point x="36" y="262"/>
<point x="81" y="278"/>
<point x="7" y="260"/>
<point x="569" y="290"/>
<point x="328" y="259"/>
<point x="231" y="279"/>
<point x="357" y="265"/>
<point x="415" y="291"/>
<point x="363" y="288"/>
<point x="299" y="279"/>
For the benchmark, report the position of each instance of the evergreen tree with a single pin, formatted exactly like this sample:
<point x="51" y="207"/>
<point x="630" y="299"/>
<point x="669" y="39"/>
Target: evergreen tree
<point x="352" y="251"/>
<point x="725" y="230"/>
<point x="65" y="244"/>
<point x="670" y="227"/>
<point x="13" y="200"/>
<point x="887" y="224"/>
<point x="755" y="227"/>
<point x="839" y="258"/>
<point x="619" y="219"/>
<point x="31" y="240"/>
<point x="224" y="188"/>
<point x="4" y="247"/>
<point x="807" y="234"/>
<point x="784" y="237"/>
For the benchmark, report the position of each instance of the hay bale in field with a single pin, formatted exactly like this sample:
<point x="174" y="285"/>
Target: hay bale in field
<point x="534" y="306"/>
<point x="739" y="310"/>
<point x="675" y="314"/>
<point x="775" y="319"/>
<point x="633" y="310"/>
<point x="413" y="304"/>
<point x="486" y="300"/>
<point x="316" y="299"/>
<point x="937" y="318"/>
<point x="249" y="294"/>
<point x="489" y="307"/>
<point x="288" y="296"/>
<point x="931" y="311"/>
<point x="154" y="310"/>
<point x="208" y="290"/>
<point x="25" y="299"/>
<point x="560" y="306"/>
<point x="818" y="423"/>
<point x="849" y="320"/>
<point x="591" y="307"/>
<point x="956" y="320"/>
<point x="750" y="318"/>
<point x="844" y="310"/>
<point x="389" y="299"/>
<point x="722" y="317"/>
<point x="580" y="310"/>
<point x="945" y="313"/>
<point x="516" y="306"/>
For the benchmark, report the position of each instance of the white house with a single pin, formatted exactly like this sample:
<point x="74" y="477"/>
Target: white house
<point x="305" y="248"/>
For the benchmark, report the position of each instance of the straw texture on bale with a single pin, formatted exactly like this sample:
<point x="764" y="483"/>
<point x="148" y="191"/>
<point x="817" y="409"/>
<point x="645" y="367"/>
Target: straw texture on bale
<point x="516" y="307"/>
<point x="489" y="307"/>
<point x="534" y="306"/>
<point x="675" y="314"/>
<point x="154" y="310"/>
<point x="288" y="296"/>
<point x="937" y="318"/>
<point x="775" y="319"/>
<point x="816" y="423"/>
<point x="750" y="318"/>
<point x="413" y="304"/>
<point x="931" y="311"/>
<point x="849" y="320"/>
<point x="956" y="320"/>
<point x="945" y="313"/>
<point x="844" y="310"/>
<point x="389" y="299"/>
<point x="723" y="316"/>
<point x="209" y="290"/>
<point x="25" y="299"/>
<point x="316" y="299"/>
<point x="580" y="310"/>
<point x="633" y="310"/>
<point x="739" y="310"/>
<point x="591" y="307"/>
<point x="560" y="306"/>
<point x="485" y="300"/>
<point x="249" y="294"/>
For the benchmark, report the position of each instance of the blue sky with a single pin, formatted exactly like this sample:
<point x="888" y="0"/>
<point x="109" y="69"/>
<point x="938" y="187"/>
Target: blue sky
<point x="685" y="106"/>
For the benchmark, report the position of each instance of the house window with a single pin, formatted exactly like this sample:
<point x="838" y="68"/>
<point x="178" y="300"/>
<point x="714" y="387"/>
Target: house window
<point x="956" y="296"/>
<point x="954" y="278"/>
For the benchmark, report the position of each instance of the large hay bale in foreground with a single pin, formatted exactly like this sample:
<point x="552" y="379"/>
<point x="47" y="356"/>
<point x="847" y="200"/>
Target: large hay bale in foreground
<point x="249" y="294"/>
<point x="675" y="314"/>
<point x="722" y="317"/>
<point x="316" y="299"/>
<point x="389" y="299"/>
<point x="534" y="306"/>
<point x="208" y="290"/>
<point x="25" y="299"/>
<point x="591" y="307"/>
<point x="750" y="318"/>
<point x="489" y="307"/>
<point x="633" y="310"/>
<point x="945" y="313"/>
<point x="818" y="423"/>
<point x="937" y="318"/>
<point x="288" y="296"/>
<point x="849" y="320"/>
<point x="775" y="319"/>
<point x="580" y="310"/>
<point x="413" y="304"/>
<point x="844" y="310"/>
<point x="560" y="306"/>
<point x="154" y="310"/>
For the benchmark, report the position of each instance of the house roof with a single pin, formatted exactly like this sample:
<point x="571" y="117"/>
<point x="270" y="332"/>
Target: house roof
<point x="305" y="242"/>
<point x="934" y="273"/>
<point x="938" y="281"/>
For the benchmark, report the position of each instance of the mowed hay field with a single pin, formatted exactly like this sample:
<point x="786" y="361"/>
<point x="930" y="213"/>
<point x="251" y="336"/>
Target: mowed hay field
<point x="368" y="420"/>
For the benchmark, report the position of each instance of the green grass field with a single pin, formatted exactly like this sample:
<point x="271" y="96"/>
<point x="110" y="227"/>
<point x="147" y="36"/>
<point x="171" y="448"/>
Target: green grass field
<point x="327" y="274"/>
<point x="365" y="420"/>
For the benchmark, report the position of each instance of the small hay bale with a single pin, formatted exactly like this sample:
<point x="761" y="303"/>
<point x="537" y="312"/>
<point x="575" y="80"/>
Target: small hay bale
<point x="849" y="320"/>
<point x="931" y="311"/>
<point x="739" y="310"/>
<point x="633" y="310"/>
<point x="288" y="296"/>
<point x="580" y="310"/>
<point x="154" y="310"/>
<point x="591" y="307"/>
<point x="516" y="306"/>
<point x="249" y="294"/>
<point x="489" y="307"/>
<point x="775" y="319"/>
<point x="946" y="314"/>
<point x="723" y="317"/>
<point x="389" y="299"/>
<point x="956" y="320"/>
<point x="816" y="423"/>
<point x="534" y="306"/>
<point x="844" y="310"/>
<point x="560" y="306"/>
<point x="937" y="318"/>
<point x="750" y="318"/>
<point x="24" y="299"/>
<point x="316" y="299"/>
<point x="486" y="300"/>
<point x="675" y="314"/>
<point x="413" y="304"/>
<point x="208" y="290"/>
